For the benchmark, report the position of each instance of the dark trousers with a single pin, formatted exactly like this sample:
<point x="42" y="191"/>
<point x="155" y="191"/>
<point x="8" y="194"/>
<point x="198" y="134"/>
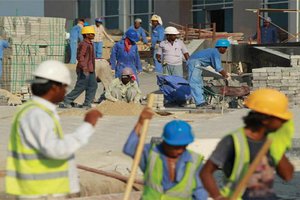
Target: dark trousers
<point x="83" y="83"/>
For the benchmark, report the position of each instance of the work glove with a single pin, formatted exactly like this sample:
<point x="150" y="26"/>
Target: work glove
<point x="281" y="140"/>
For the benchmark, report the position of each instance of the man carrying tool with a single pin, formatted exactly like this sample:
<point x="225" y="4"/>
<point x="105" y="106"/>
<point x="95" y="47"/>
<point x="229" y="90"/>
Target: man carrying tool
<point x="204" y="58"/>
<point x="170" y="53"/>
<point x="99" y="36"/>
<point x="86" y="78"/>
<point x="156" y="37"/>
<point x="170" y="170"/>
<point x="268" y="117"/>
<point x="75" y="37"/>
<point x="139" y="30"/>
<point x="40" y="162"/>
<point x="124" y="88"/>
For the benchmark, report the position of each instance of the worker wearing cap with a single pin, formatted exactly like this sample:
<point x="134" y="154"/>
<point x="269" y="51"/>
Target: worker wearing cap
<point x="40" y="162"/>
<point x="86" y="78"/>
<point x="139" y="29"/>
<point x="3" y="45"/>
<point x="170" y="170"/>
<point x="99" y="36"/>
<point x="125" y="54"/>
<point x="124" y="88"/>
<point x="170" y="53"/>
<point x="268" y="117"/>
<point x="204" y="58"/>
<point x="156" y="37"/>
<point x="75" y="37"/>
<point x="268" y="33"/>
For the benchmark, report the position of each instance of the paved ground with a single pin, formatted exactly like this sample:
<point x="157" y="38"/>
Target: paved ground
<point x="105" y="148"/>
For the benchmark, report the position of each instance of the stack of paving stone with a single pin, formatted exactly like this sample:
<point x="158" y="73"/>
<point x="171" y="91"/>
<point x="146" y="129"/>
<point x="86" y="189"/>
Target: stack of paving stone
<point x="32" y="40"/>
<point x="285" y="79"/>
<point x="159" y="101"/>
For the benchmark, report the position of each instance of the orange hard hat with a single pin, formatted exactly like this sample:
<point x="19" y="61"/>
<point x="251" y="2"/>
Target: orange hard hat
<point x="270" y="102"/>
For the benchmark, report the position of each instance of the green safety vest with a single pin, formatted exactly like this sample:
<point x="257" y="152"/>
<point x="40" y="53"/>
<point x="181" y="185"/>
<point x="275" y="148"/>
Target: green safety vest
<point x="241" y="162"/>
<point x="28" y="172"/>
<point x="153" y="188"/>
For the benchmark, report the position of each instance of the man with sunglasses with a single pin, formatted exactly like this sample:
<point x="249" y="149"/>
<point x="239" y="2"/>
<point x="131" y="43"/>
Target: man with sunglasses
<point x="201" y="59"/>
<point x="124" y="88"/>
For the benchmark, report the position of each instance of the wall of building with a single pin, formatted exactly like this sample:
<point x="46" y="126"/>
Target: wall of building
<point x="22" y="8"/>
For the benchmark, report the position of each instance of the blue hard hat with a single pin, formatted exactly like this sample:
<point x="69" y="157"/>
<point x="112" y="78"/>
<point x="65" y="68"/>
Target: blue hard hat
<point x="86" y="24"/>
<point x="222" y="43"/>
<point x="132" y="35"/>
<point x="99" y="20"/>
<point x="178" y="133"/>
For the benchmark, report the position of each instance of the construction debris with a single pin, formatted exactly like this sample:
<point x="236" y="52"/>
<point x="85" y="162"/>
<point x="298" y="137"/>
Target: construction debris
<point x="7" y="98"/>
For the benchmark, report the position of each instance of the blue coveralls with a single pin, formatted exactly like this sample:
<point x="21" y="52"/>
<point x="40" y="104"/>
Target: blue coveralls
<point x="268" y="35"/>
<point x="157" y="36"/>
<point x="198" y="60"/>
<point x="119" y="59"/>
<point x="141" y="33"/>
<point x="75" y="36"/>
<point x="3" y="44"/>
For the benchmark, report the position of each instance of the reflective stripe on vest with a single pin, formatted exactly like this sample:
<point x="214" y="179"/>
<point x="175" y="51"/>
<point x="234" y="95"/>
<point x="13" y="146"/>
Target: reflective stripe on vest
<point x="241" y="161"/>
<point x="153" y="178"/>
<point x="30" y="173"/>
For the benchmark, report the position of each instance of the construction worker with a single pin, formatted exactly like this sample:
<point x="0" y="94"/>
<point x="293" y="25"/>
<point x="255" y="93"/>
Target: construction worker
<point x="75" y="37"/>
<point x="170" y="53"/>
<point x="268" y="117"/>
<point x="86" y="78"/>
<point x="125" y="54"/>
<point x="139" y="29"/>
<point x="201" y="59"/>
<point x="268" y="33"/>
<point x="3" y="44"/>
<point x="156" y="37"/>
<point x="124" y="88"/>
<point x="40" y="162"/>
<point x="170" y="170"/>
<point x="99" y="36"/>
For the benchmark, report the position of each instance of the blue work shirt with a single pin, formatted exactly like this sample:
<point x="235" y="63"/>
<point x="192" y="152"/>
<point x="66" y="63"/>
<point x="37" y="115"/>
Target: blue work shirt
<point x="158" y="35"/>
<point x="75" y="34"/>
<point x="141" y="33"/>
<point x="119" y="58"/>
<point x="3" y="44"/>
<point x="268" y="35"/>
<point x="130" y="148"/>
<point x="208" y="57"/>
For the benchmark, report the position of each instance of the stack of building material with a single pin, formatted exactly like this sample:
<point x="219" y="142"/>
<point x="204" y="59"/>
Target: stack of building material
<point x="159" y="101"/>
<point x="32" y="40"/>
<point x="285" y="79"/>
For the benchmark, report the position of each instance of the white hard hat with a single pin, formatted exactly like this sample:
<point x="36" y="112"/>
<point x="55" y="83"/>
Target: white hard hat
<point x="138" y="20"/>
<point x="268" y="19"/>
<point x="127" y="71"/>
<point x="53" y="70"/>
<point x="171" y="30"/>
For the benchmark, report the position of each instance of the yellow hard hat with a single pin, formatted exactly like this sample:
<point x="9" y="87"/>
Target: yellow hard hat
<point x="88" y="30"/>
<point x="155" y="18"/>
<point x="270" y="102"/>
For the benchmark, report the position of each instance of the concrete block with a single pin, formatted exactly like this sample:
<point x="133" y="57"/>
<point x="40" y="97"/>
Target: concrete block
<point x="259" y="70"/>
<point x="273" y="69"/>
<point x="274" y="77"/>
<point x="260" y="78"/>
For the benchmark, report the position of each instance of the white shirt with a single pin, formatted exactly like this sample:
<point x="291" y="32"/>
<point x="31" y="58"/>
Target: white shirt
<point x="172" y="54"/>
<point x="100" y="33"/>
<point x="36" y="130"/>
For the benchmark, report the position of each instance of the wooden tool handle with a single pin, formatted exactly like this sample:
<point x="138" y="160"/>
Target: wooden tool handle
<point x="243" y="183"/>
<point x="139" y="150"/>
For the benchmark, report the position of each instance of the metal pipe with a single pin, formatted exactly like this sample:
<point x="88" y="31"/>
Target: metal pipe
<point x="297" y="21"/>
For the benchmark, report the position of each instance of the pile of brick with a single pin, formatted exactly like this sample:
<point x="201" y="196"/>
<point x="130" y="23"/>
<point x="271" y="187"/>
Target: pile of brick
<point x="32" y="40"/>
<point x="285" y="79"/>
<point x="159" y="101"/>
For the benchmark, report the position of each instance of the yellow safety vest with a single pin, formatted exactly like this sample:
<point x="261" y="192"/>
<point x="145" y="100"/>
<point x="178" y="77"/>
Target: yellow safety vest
<point x="241" y="162"/>
<point x="153" y="188"/>
<point x="28" y="172"/>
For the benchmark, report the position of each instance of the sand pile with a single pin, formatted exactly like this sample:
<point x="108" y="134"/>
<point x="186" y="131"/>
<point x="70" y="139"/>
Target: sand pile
<point x="109" y="108"/>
